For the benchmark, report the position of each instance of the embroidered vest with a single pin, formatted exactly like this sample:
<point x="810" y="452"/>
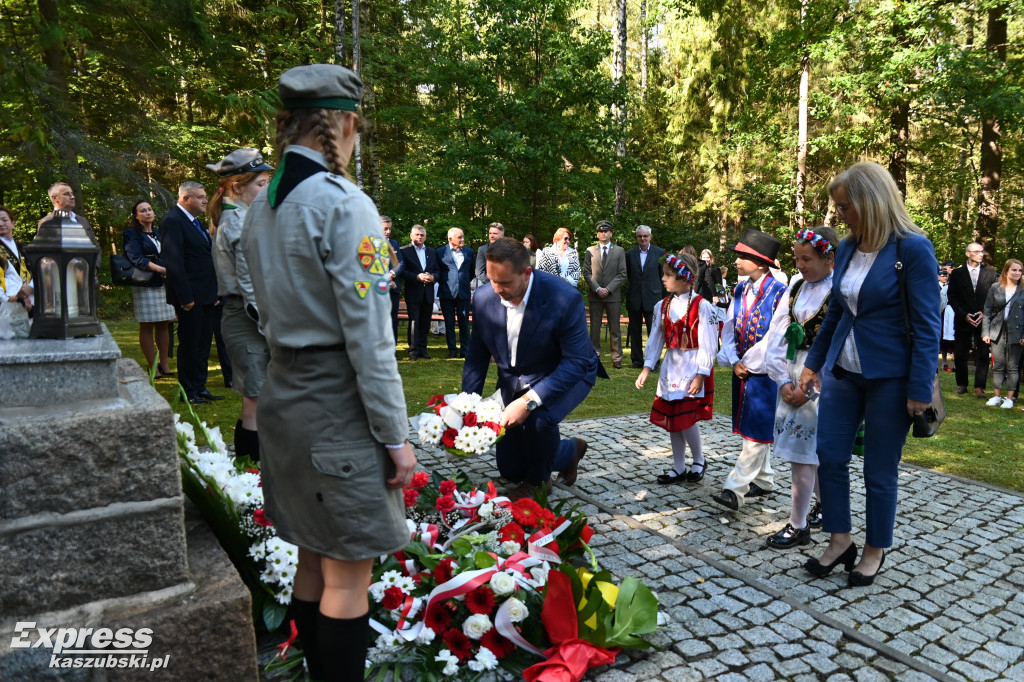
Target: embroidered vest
<point x="19" y="263"/>
<point x="752" y="323"/>
<point x="813" y="323"/>
<point x="681" y="334"/>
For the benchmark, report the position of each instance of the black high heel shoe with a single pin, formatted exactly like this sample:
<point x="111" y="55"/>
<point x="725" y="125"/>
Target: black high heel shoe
<point x="858" y="579"/>
<point x="848" y="557"/>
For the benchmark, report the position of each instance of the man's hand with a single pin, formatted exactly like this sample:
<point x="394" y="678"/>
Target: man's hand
<point x="603" y="292"/>
<point x="188" y="306"/>
<point x="515" y="414"/>
<point x="740" y="370"/>
<point x="405" y="463"/>
<point x="425" y="277"/>
<point x="975" y="318"/>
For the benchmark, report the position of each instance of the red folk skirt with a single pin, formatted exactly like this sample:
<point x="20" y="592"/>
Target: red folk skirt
<point x="679" y="415"/>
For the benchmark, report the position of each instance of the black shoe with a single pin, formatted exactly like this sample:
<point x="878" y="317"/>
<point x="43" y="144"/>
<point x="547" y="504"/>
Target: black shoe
<point x="196" y="400"/>
<point x="858" y="579"/>
<point x="694" y="476"/>
<point x="814" y="516"/>
<point x="462" y="353"/>
<point x="789" y="537"/>
<point x="160" y="374"/>
<point x="638" y="365"/>
<point x="757" y="491"/>
<point x="727" y="498"/>
<point x="425" y="356"/>
<point x="206" y="395"/>
<point x="452" y="355"/>
<point x="672" y="476"/>
<point x="568" y="477"/>
<point x="848" y="557"/>
<point x="414" y="356"/>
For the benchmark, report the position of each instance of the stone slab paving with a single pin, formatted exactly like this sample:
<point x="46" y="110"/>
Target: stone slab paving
<point x="948" y="605"/>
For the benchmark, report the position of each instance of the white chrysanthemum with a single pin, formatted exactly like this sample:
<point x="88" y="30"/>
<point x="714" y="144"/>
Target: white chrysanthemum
<point x="465" y="402"/>
<point x="450" y="660"/>
<point x="510" y="547"/>
<point x="376" y="591"/>
<point x="389" y="577"/>
<point x="475" y="439"/>
<point x="502" y="584"/>
<point x="476" y="625"/>
<point x="488" y="411"/>
<point x="284" y="597"/>
<point x="485" y="660"/>
<point x="430" y="429"/>
<point x="258" y="551"/>
<point x="486" y="511"/>
<point x="517" y="610"/>
<point x="425" y="636"/>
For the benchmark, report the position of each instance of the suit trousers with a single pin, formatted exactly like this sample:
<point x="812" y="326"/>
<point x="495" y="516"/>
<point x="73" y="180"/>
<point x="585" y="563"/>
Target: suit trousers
<point x="599" y="308"/>
<point x="452" y="309"/>
<point x="419" y="324"/>
<point x="752" y="466"/>
<point x="637" y="318"/>
<point x="396" y="299"/>
<point x="1006" y="357"/>
<point x="964" y="336"/>
<point x="531" y="451"/>
<point x="846" y="399"/>
<point x="195" y="336"/>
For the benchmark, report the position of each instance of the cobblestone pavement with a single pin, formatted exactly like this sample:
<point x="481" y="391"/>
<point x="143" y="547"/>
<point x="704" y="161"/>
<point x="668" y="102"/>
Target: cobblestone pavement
<point x="948" y="605"/>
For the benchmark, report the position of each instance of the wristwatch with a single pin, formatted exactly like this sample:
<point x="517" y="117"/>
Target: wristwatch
<point x="531" y="405"/>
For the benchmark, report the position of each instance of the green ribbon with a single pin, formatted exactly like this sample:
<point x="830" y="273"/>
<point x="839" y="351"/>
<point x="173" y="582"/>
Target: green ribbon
<point x="795" y="337"/>
<point x="343" y="103"/>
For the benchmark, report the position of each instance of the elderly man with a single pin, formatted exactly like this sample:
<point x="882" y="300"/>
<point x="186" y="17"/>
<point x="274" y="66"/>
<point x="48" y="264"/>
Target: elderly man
<point x="968" y="289"/>
<point x="455" y="271"/>
<point x="186" y="248"/>
<point x="419" y="270"/>
<point x="604" y="270"/>
<point x="495" y="231"/>
<point x="63" y="199"/>
<point x="643" y="270"/>
<point x="534" y="326"/>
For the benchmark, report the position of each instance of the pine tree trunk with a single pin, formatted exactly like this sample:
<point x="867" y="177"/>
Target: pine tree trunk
<point x="899" y="125"/>
<point x="339" y="30"/>
<point x="643" y="49"/>
<point x="619" y="74"/>
<point x="801" y="150"/>
<point x="357" y="66"/>
<point x="991" y="145"/>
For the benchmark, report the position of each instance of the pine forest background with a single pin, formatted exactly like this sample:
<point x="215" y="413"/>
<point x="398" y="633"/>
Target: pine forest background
<point x="697" y="117"/>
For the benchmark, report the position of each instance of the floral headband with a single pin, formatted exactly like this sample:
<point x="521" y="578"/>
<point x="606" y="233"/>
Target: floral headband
<point x="676" y="263"/>
<point x="820" y="244"/>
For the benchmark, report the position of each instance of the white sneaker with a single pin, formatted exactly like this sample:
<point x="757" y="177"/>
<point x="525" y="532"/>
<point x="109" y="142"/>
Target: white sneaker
<point x="993" y="401"/>
<point x="1007" y="404"/>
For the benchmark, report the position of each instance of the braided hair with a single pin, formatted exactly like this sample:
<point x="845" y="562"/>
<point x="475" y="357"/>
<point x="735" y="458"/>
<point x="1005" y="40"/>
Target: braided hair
<point x="325" y="126"/>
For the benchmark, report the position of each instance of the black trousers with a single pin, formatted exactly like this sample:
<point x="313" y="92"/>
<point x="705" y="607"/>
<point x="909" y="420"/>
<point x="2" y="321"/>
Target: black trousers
<point x="638" y="318"/>
<point x="195" y="336"/>
<point x="222" y="350"/>
<point x="419" y="324"/>
<point x="396" y="298"/>
<point x="452" y="309"/>
<point x="965" y="336"/>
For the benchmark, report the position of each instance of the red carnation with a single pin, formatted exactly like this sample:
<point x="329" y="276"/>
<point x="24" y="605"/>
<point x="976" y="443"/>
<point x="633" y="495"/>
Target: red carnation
<point x="260" y="517"/>
<point x="447" y="487"/>
<point x="442" y="573"/>
<point x="445" y="504"/>
<point x="469" y="419"/>
<point x="493" y="426"/>
<point x="411" y="495"/>
<point x="512" y="532"/>
<point x="459" y="644"/>
<point x="498" y="645"/>
<point x="526" y="512"/>
<point x="480" y="600"/>
<point x="393" y="598"/>
<point x="448" y="437"/>
<point x="420" y="479"/>
<point x="437" y="618"/>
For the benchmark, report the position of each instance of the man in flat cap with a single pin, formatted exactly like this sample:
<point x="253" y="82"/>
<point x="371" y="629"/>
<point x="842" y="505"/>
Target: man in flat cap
<point x="604" y="270"/>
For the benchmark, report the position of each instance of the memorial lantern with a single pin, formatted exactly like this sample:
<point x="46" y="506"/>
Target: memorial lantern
<point x="63" y="260"/>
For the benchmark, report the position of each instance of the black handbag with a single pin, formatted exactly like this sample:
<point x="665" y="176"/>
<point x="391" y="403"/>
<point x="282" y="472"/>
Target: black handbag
<point x="123" y="273"/>
<point x="926" y="423"/>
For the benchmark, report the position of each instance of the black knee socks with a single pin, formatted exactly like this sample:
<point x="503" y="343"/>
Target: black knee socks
<point x="305" y="614"/>
<point x="342" y="643"/>
<point x="247" y="442"/>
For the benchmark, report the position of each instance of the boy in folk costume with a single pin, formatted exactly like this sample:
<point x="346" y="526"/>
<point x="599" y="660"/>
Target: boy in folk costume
<point x="744" y="347"/>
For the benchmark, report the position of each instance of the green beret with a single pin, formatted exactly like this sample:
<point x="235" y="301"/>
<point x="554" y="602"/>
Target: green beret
<point x="320" y="86"/>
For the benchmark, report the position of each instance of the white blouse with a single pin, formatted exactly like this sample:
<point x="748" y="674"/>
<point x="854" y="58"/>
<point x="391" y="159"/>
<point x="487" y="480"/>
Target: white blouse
<point x="849" y="289"/>
<point x="679" y="367"/>
<point x="810" y="298"/>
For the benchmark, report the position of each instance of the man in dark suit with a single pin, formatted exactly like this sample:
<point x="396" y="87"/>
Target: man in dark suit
<point x="643" y="270"/>
<point x="191" y="287"/>
<point x="63" y="199"/>
<point x="456" y="269"/>
<point x="968" y="288"/>
<point x="394" y="275"/>
<point x="419" y="270"/>
<point x="535" y="327"/>
<point x="604" y="270"/>
<point x="495" y="231"/>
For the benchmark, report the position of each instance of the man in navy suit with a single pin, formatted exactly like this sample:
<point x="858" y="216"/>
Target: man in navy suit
<point x="643" y="270"/>
<point x="535" y="327"/>
<point x="191" y="287"/>
<point x="456" y="269"/>
<point x="394" y="275"/>
<point x="419" y="270"/>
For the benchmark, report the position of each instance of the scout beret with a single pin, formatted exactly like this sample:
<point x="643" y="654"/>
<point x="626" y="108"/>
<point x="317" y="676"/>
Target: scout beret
<point x="320" y="86"/>
<point x="248" y="160"/>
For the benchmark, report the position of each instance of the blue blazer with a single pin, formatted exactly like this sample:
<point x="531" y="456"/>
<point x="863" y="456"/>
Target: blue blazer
<point x="884" y="349"/>
<point x="554" y="353"/>
<point x="189" y="261"/>
<point x="140" y="248"/>
<point x="452" y="282"/>
<point x="397" y="267"/>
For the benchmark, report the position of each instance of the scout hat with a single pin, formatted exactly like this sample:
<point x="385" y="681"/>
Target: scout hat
<point x="248" y="160"/>
<point x="320" y="86"/>
<point x="757" y="246"/>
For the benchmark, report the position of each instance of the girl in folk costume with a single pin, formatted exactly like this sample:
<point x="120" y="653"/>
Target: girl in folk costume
<point x="744" y="347"/>
<point x="684" y="323"/>
<point x="797" y="321"/>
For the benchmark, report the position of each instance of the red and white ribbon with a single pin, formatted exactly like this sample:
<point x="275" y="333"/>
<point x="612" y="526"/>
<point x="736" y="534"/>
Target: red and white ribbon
<point x="507" y="629"/>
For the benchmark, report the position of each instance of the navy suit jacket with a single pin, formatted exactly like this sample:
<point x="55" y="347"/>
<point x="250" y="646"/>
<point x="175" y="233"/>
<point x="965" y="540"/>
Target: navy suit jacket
<point x="554" y="353"/>
<point x="882" y="344"/>
<point x="415" y="290"/>
<point x="644" y="288"/>
<point x="453" y="282"/>
<point x="187" y="255"/>
<point x="397" y="267"/>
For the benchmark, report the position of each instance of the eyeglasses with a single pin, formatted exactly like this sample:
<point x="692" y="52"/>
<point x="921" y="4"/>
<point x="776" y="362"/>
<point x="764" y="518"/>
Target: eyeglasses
<point x="566" y="239"/>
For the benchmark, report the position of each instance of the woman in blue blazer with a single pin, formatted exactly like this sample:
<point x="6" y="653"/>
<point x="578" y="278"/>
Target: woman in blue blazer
<point x="877" y="373"/>
<point x="142" y="248"/>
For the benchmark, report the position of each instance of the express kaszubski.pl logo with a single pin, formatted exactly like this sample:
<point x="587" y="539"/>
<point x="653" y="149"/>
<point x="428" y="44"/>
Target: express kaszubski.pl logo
<point x="90" y="648"/>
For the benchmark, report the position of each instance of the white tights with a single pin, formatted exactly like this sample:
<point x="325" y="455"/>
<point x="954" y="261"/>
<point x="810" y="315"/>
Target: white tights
<point x="680" y="439"/>
<point x="805" y="482"/>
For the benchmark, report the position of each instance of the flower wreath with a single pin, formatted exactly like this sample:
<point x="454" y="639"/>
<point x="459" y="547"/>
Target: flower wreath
<point x="676" y="263"/>
<point x="820" y="244"/>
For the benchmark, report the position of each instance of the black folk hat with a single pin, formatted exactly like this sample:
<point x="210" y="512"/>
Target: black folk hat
<point x="757" y="246"/>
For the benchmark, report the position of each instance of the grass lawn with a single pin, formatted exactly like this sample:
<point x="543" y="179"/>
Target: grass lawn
<point x="977" y="442"/>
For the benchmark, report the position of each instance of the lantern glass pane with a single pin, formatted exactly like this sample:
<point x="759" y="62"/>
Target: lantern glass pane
<point x="78" y="293"/>
<point x="49" y="291"/>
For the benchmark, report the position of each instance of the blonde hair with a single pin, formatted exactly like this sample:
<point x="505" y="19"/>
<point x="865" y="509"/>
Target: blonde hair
<point x="216" y="206"/>
<point x="325" y="125"/>
<point x="878" y="203"/>
<point x="1004" y="277"/>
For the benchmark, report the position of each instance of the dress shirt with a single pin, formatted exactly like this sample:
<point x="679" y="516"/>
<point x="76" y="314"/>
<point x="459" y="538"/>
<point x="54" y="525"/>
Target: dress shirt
<point x="563" y="264"/>
<point x="513" y="323"/>
<point x="458" y="257"/>
<point x="192" y="219"/>
<point x="808" y="302"/>
<point x="853" y="280"/>
<point x="604" y="252"/>
<point x="421" y="253"/>
<point x="643" y="258"/>
<point x="974" y="270"/>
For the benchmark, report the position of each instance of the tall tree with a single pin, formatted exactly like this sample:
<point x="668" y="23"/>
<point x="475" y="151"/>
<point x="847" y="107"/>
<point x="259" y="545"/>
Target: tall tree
<point x="801" y="148"/>
<point x="618" y="77"/>
<point x="991" y="138"/>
